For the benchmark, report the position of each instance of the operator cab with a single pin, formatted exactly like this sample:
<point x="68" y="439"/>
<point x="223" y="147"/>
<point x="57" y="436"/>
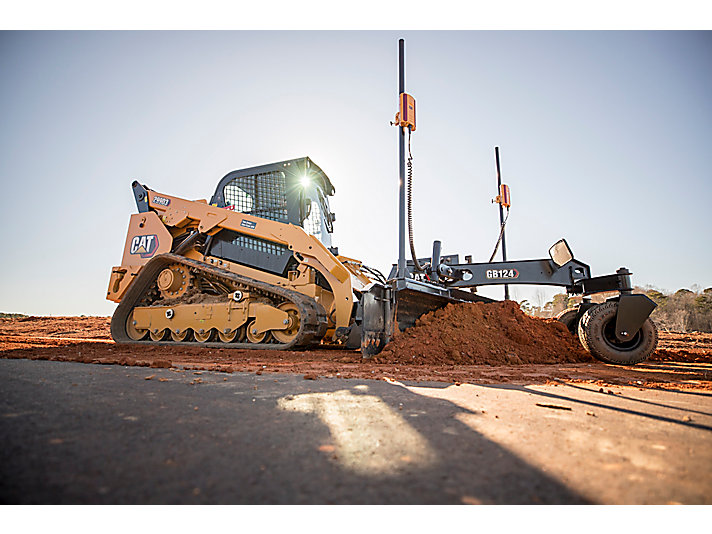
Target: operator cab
<point x="294" y="191"/>
<point x="291" y="192"/>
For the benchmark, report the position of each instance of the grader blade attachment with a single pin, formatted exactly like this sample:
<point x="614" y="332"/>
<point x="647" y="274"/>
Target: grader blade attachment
<point x="415" y="300"/>
<point x="383" y="309"/>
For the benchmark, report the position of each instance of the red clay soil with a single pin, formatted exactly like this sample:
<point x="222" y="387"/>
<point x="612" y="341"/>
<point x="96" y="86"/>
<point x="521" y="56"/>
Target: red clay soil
<point x="476" y="333"/>
<point x="475" y="343"/>
<point x="81" y="328"/>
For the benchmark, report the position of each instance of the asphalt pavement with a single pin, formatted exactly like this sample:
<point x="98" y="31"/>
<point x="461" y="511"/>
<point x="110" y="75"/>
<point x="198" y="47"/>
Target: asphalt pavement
<point x="104" y="434"/>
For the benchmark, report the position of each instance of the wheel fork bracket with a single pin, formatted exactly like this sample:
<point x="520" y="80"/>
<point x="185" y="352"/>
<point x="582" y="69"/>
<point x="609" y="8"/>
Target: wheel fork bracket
<point x="633" y="310"/>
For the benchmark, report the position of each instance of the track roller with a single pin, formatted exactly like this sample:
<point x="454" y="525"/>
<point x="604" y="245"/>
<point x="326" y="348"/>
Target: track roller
<point x="253" y="336"/>
<point x="203" y="336"/>
<point x="230" y="336"/>
<point x="180" y="335"/>
<point x="158" y="335"/>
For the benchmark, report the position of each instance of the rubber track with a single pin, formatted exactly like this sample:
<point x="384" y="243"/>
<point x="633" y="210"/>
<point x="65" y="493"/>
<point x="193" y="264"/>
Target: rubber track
<point x="313" y="321"/>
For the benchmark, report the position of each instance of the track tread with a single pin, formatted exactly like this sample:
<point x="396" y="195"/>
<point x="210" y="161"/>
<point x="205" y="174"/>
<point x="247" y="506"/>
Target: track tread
<point x="312" y="315"/>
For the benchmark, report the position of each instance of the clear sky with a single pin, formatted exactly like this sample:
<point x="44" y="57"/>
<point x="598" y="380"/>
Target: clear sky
<point x="605" y="139"/>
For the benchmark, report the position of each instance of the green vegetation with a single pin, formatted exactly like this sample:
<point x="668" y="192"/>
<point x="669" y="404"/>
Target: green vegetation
<point x="4" y="315"/>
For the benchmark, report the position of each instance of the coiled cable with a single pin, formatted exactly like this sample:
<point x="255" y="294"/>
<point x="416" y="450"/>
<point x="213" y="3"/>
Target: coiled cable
<point x="501" y="233"/>
<point x="417" y="265"/>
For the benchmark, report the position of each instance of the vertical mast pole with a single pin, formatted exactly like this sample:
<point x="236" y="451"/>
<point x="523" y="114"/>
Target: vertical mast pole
<point x="501" y="217"/>
<point x="401" y="167"/>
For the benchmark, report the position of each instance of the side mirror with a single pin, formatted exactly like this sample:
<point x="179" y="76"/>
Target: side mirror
<point x="560" y="253"/>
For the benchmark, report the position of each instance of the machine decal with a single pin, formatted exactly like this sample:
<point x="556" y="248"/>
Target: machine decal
<point x="144" y="245"/>
<point x="248" y="224"/>
<point x="502" y="273"/>
<point x="162" y="201"/>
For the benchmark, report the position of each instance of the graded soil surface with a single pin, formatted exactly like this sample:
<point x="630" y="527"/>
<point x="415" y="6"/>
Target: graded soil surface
<point x="470" y="343"/>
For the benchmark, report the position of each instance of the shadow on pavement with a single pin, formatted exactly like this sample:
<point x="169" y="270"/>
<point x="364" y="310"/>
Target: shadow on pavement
<point x="627" y="397"/>
<point x="672" y="366"/>
<point x="606" y="406"/>
<point x="81" y="434"/>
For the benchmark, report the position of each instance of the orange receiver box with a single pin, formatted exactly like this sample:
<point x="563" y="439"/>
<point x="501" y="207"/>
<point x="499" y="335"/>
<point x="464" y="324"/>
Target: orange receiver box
<point x="406" y="111"/>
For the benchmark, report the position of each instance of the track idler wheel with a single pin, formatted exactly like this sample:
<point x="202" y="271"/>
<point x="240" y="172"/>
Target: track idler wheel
<point x="597" y="332"/>
<point x="137" y="334"/>
<point x="292" y="329"/>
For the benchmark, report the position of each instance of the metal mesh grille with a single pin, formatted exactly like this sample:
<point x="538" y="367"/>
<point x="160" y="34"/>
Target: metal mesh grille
<point x="240" y="193"/>
<point x="312" y="224"/>
<point x="259" y="245"/>
<point x="262" y="195"/>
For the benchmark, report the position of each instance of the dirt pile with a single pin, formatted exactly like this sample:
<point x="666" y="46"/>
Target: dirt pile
<point x="477" y="333"/>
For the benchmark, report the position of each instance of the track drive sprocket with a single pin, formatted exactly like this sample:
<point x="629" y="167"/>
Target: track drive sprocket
<point x="174" y="281"/>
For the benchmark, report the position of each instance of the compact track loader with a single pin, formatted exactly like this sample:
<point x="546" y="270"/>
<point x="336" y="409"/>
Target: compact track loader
<point x="255" y="268"/>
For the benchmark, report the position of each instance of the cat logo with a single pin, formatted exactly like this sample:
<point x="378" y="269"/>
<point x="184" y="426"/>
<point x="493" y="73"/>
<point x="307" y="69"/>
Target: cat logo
<point x="144" y="245"/>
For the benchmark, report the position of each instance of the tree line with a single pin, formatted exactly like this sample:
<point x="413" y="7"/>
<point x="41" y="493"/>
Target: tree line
<point x="685" y="310"/>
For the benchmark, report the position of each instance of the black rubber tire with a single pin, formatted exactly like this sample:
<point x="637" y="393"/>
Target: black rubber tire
<point x="596" y="332"/>
<point x="568" y="319"/>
